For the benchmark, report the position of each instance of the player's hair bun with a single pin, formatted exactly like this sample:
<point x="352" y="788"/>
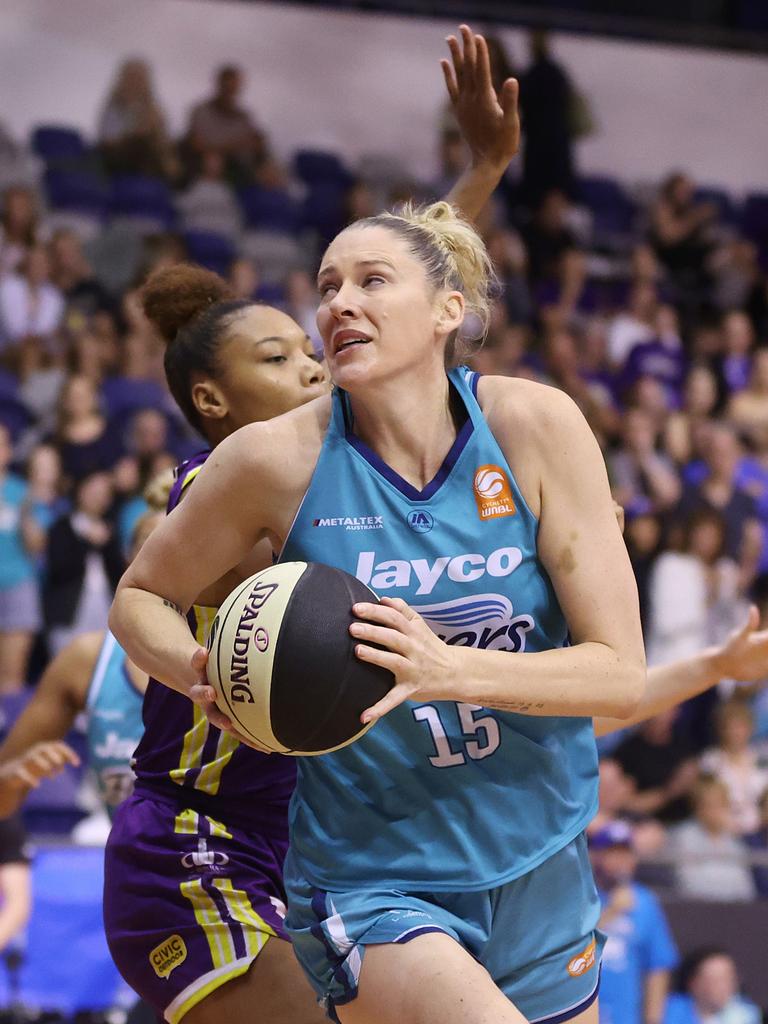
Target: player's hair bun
<point x="175" y="296"/>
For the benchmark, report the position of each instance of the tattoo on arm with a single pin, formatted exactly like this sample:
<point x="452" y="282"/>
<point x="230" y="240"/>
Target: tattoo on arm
<point x="522" y="707"/>
<point x="170" y="604"/>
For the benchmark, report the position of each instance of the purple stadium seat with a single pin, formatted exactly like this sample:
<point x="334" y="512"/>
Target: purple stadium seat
<point x="315" y="167"/>
<point x="270" y="209"/>
<point x="76" y="191"/>
<point x="140" y="197"/>
<point x="212" y="251"/>
<point x="56" y="143"/>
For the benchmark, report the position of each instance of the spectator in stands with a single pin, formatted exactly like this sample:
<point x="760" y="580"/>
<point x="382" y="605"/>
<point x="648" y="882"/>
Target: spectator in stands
<point x="30" y="305"/>
<point x="73" y="276"/>
<point x="694" y="593"/>
<point x="640" y="952"/>
<point x="19" y="589"/>
<point x="555" y="262"/>
<point x="699" y="401"/>
<point x="644" y="479"/>
<point x="615" y="796"/>
<point x="738" y="342"/>
<point x="18" y="227"/>
<point x="301" y="304"/>
<point x="15" y="882"/>
<point x="510" y="261"/>
<point x="711" y="860"/>
<point x="734" y="762"/>
<point x="83" y="435"/>
<point x="643" y="538"/>
<point x="660" y="762"/>
<point x="660" y="358"/>
<point x="680" y="234"/>
<point x="748" y="409"/>
<point x="209" y="204"/>
<point x="713" y="486"/>
<point x="758" y="844"/>
<point x="546" y="105"/>
<point x="92" y="356"/>
<point x="633" y="325"/>
<point x="132" y="132"/>
<point x="220" y="125"/>
<point x="44" y="499"/>
<point x="709" y="992"/>
<point x="84" y="563"/>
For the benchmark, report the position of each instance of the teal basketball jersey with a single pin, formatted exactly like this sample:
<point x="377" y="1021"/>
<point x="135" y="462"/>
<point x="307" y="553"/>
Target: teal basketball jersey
<point x="113" y="710"/>
<point x="441" y="795"/>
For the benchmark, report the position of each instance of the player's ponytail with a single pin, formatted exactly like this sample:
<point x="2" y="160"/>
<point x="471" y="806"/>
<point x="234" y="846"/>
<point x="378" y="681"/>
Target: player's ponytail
<point x="191" y="309"/>
<point x="453" y="255"/>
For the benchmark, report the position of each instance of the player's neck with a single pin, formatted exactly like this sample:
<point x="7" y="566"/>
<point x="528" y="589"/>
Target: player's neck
<point x="410" y="428"/>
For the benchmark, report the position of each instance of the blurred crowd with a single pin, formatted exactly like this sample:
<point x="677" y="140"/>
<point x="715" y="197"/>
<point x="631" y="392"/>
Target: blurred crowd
<point x="646" y="302"/>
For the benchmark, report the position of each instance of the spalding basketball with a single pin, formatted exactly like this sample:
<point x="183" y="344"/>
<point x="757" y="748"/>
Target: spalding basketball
<point x="282" y="660"/>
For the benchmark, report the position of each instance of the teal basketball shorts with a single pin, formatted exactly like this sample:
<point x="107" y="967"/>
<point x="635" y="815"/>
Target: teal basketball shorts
<point x="536" y="935"/>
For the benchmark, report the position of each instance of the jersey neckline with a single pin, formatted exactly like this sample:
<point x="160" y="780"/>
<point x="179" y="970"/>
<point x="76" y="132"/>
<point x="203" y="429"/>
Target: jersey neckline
<point x="392" y="476"/>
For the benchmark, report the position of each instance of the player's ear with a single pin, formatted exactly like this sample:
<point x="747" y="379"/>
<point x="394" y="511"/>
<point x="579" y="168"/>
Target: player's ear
<point x="209" y="400"/>
<point x="450" y="312"/>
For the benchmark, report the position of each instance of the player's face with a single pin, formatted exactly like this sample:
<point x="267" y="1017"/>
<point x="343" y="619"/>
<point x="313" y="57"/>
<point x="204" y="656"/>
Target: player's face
<point x="267" y="366"/>
<point x="378" y="313"/>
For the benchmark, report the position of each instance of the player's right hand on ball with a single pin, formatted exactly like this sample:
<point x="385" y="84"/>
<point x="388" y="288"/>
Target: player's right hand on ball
<point x="44" y="760"/>
<point x="204" y="695"/>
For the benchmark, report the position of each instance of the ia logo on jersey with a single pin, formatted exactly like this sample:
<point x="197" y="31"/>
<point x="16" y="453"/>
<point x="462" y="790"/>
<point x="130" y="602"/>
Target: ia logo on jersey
<point x="420" y="520"/>
<point x="487" y="621"/>
<point x="493" y="495"/>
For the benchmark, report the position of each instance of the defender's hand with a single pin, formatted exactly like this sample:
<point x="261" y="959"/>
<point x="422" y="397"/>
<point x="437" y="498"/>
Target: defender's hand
<point x="489" y="123"/>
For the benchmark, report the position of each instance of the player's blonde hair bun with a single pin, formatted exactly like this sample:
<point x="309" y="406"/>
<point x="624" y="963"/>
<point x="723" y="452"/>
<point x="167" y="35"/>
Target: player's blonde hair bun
<point x="451" y="251"/>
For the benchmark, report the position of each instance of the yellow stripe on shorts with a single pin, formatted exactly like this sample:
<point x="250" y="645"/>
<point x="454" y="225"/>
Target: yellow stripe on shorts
<point x="217" y="930"/>
<point x="187" y="823"/>
<point x="217" y="829"/>
<point x="255" y="928"/>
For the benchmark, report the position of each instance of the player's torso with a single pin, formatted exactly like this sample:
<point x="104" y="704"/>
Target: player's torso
<point x="114" y="723"/>
<point x="184" y="758"/>
<point x="470" y="786"/>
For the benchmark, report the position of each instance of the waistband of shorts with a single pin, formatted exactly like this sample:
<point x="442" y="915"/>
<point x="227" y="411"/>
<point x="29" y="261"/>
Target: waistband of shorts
<point x="265" y="819"/>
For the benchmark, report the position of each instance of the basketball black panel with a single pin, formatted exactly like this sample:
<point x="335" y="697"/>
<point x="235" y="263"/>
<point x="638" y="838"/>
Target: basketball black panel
<point x="319" y="688"/>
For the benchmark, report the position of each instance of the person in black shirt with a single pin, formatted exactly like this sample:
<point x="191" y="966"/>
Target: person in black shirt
<point x="661" y="765"/>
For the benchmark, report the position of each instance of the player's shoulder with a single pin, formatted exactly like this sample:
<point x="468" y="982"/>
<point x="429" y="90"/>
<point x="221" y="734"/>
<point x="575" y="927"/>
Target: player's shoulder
<point x="526" y="410"/>
<point x="278" y="454"/>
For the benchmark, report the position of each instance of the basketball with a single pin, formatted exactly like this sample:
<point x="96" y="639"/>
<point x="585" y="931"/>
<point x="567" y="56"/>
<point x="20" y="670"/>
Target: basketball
<point x="282" y="660"/>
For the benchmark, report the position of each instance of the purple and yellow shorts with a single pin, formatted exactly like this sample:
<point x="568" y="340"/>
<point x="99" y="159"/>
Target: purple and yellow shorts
<point x="189" y="902"/>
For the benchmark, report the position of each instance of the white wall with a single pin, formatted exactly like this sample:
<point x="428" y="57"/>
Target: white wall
<point x="372" y="83"/>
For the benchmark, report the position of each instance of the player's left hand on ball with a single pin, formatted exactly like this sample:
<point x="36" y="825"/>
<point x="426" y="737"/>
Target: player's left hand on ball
<point x="204" y="695"/>
<point x="419" y="660"/>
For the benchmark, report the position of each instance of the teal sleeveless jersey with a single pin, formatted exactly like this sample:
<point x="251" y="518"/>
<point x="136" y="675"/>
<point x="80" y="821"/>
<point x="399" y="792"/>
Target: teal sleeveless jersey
<point x="114" y="724"/>
<point x="439" y="796"/>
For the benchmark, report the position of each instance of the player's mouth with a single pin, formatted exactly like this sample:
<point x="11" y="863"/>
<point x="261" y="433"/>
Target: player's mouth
<point x="347" y="339"/>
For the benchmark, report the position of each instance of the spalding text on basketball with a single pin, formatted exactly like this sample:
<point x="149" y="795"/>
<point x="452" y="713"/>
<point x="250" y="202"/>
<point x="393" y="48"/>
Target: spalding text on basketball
<point x="238" y="665"/>
<point x="458" y="568"/>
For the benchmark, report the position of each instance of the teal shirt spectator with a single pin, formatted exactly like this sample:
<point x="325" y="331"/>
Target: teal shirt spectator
<point x="681" y="1009"/>
<point x="639" y="943"/>
<point x="16" y="565"/>
<point x="130" y="513"/>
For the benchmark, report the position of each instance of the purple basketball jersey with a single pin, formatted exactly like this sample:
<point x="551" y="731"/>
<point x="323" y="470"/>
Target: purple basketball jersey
<point x="182" y="755"/>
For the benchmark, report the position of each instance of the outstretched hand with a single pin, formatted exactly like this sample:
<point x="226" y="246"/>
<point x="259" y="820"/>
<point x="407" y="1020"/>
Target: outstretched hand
<point x="489" y="123"/>
<point x="744" y="655"/>
<point x="44" y="760"/>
